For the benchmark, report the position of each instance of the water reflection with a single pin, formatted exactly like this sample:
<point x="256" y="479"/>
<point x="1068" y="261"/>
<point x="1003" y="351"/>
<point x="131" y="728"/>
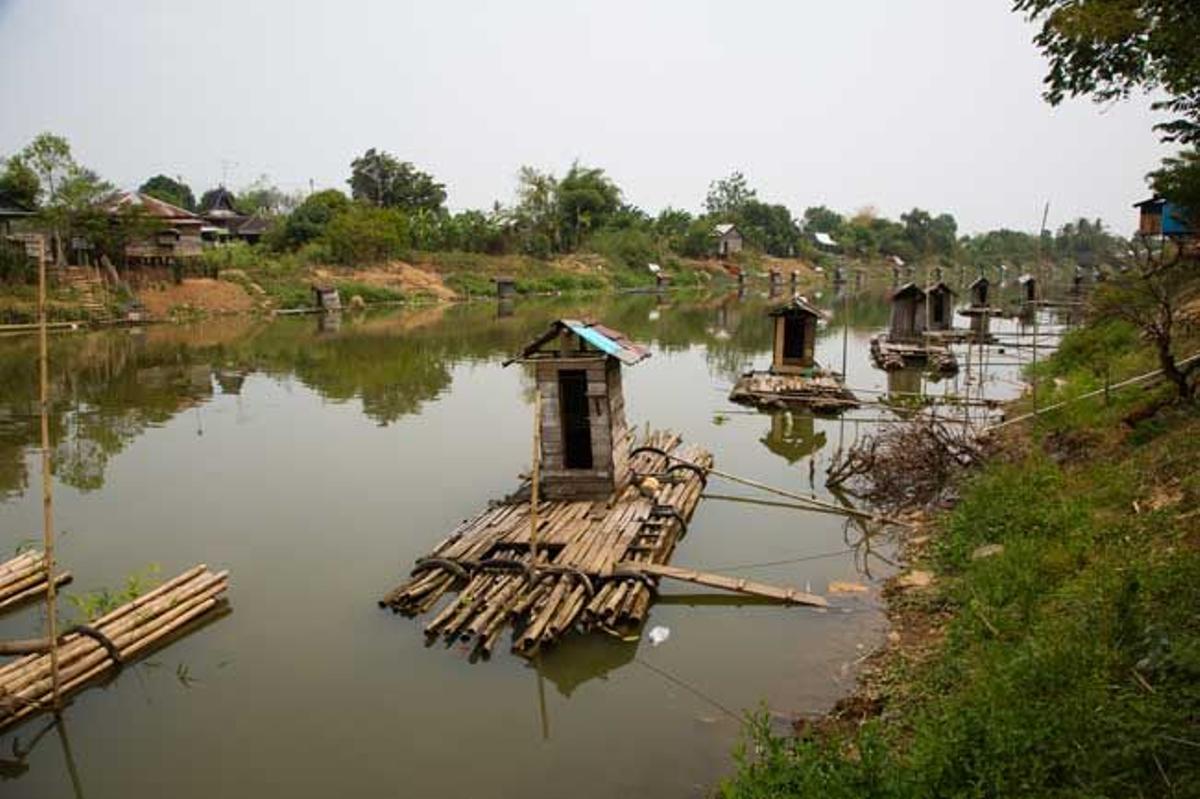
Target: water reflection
<point x="793" y="436"/>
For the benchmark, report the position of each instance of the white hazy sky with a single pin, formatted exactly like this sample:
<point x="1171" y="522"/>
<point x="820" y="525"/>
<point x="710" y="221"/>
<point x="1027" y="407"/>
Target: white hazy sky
<point x="890" y="103"/>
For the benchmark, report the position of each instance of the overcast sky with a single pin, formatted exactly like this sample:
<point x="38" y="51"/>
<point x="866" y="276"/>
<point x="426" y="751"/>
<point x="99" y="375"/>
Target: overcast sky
<point x="888" y="103"/>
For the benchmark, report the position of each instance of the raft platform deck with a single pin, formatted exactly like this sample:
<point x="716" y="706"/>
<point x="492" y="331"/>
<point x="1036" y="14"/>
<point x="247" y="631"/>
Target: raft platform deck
<point x="822" y="391"/>
<point x="598" y="561"/>
<point x="890" y="355"/>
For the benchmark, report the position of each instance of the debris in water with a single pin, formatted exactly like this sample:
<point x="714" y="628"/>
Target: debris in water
<point x="658" y="635"/>
<point x="839" y="587"/>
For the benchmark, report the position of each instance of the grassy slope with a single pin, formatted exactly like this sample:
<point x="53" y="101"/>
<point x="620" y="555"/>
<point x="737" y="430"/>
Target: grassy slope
<point x="1070" y="664"/>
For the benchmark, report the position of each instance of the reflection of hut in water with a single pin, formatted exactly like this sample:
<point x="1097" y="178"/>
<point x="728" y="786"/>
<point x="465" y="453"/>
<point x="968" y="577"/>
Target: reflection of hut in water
<point x="585" y="441"/>
<point x="793" y="436"/>
<point x="794" y="378"/>
<point x="585" y="658"/>
<point x="329" y="323"/>
<point x="901" y="383"/>
<point x="231" y="380"/>
<point x="326" y="298"/>
<point x="795" y="280"/>
<point x="906" y="342"/>
<point x="505" y="308"/>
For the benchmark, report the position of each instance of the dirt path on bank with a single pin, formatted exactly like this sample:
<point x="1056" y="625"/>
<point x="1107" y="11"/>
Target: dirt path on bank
<point x="200" y="294"/>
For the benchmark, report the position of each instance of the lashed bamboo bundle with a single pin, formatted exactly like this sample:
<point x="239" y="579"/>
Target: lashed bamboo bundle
<point x="134" y="629"/>
<point x="488" y="559"/>
<point x="24" y="578"/>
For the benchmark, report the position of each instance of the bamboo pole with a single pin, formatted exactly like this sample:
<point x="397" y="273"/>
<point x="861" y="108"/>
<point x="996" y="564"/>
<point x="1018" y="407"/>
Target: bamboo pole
<point x="47" y="490"/>
<point x="535" y="472"/>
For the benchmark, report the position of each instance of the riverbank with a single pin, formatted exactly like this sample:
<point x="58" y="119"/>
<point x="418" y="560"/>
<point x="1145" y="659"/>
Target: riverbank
<point x="240" y="279"/>
<point x="1044" y="631"/>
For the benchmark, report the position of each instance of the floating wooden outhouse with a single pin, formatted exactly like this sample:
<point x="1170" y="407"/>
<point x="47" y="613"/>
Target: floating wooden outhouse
<point x="979" y="290"/>
<point x="505" y="287"/>
<point x="795" y="337"/>
<point x="1028" y="285"/>
<point x="327" y="298"/>
<point x="940" y="299"/>
<point x="908" y="313"/>
<point x="584" y="437"/>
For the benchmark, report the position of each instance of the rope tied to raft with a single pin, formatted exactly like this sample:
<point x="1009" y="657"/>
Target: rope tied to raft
<point x="103" y="640"/>
<point x="449" y="564"/>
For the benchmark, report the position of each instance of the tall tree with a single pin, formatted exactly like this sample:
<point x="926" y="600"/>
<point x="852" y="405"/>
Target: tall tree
<point x="820" y="219"/>
<point x="586" y="200"/>
<point x="380" y="178"/>
<point x="1108" y="48"/>
<point x="728" y="196"/>
<point x="535" y="216"/>
<point x="19" y="184"/>
<point x="170" y="190"/>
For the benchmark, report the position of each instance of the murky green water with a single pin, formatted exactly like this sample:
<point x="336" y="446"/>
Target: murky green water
<point x="316" y="462"/>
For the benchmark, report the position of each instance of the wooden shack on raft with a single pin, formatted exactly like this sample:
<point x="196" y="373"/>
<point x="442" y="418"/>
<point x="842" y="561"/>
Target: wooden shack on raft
<point x="939" y="299"/>
<point x="794" y="377"/>
<point x="585" y="551"/>
<point x="907" y="341"/>
<point x="1028" y="285"/>
<point x="979" y="291"/>
<point x="584" y="437"/>
<point x="979" y="311"/>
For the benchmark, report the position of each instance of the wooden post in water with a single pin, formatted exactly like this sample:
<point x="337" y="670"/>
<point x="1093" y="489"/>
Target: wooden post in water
<point x="535" y="473"/>
<point x="47" y="502"/>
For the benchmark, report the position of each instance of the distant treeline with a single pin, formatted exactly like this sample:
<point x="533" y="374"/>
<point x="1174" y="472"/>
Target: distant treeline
<point x="393" y="208"/>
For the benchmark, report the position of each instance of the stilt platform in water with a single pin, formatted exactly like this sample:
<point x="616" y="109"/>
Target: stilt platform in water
<point x="820" y="390"/>
<point x="598" y="562"/>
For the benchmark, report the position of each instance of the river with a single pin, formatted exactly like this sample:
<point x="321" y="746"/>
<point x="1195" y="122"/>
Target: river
<point x="316" y="459"/>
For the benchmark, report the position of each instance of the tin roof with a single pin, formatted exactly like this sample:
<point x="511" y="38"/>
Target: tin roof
<point x="940" y="287"/>
<point x="824" y="239"/>
<point x="1025" y="278"/>
<point x="724" y="228"/>
<point x="151" y="205"/>
<point x="796" y="305"/>
<point x="979" y="281"/>
<point x="908" y="288"/>
<point x="605" y="339"/>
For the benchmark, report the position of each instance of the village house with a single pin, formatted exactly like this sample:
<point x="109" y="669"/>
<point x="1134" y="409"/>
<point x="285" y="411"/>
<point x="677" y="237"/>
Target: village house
<point x="225" y="222"/>
<point x="728" y="239"/>
<point x="177" y="235"/>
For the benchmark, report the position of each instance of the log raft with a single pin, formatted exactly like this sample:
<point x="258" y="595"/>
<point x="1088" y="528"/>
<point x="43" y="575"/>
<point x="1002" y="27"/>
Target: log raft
<point x="96" y="651"/>
<point x="820" y="390"/>
<point x="23" y="579"/>
<point x="598" y="567"/>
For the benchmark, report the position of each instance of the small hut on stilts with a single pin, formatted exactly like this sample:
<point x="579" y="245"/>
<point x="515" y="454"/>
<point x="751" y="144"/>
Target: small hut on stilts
<point x="795" y="378"/>
<point x="906" y="343"/>
<point x="979" y="311"/>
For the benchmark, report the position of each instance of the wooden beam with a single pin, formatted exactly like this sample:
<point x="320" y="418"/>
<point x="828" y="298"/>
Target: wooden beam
<point x="735" y="584"/>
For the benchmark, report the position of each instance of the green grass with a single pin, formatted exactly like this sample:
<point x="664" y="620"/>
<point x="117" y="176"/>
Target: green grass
<point x="1071" y="660"/>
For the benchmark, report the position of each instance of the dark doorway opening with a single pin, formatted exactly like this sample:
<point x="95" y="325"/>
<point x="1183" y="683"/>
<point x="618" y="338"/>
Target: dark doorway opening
<point x="939" y="310"/>
<point x="793" y="339"/>
<point x="576" y="419"/>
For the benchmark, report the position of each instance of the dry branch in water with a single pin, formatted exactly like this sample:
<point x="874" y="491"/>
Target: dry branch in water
<point x="907" y="465"/>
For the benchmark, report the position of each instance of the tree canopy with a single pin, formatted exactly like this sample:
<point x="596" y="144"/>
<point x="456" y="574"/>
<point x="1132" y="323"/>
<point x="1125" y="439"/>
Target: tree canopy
<point x="1108" y="48"/>
<point x="380" y="178"/>
<point x="19" y="184"/>
<point x="170" y="190"/>
<point x="728" y="196"/>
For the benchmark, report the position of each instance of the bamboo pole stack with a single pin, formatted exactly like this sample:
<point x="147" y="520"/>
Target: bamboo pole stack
<point x="23" y="579"/>
<point x="489" y="560"/>
<point x="134" y="629"/>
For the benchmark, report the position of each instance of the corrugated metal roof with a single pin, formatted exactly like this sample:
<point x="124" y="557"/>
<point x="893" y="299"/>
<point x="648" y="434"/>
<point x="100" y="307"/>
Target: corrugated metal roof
<point x="824" y="239"/>
<point x="797" y="304"/>
<point x="724" y="228"/>
<point x="1025" y="278"/>
<point x="151" y="205"/>
<point x="605" y="339"/>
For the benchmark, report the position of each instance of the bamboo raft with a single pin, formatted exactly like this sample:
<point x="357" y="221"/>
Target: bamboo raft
<point x="23" y="579"/>
<point x="890" y="355"/>
<point x="598" y="563"/>
<point x="87" y="654"/>
<point x="822" y="391"/>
